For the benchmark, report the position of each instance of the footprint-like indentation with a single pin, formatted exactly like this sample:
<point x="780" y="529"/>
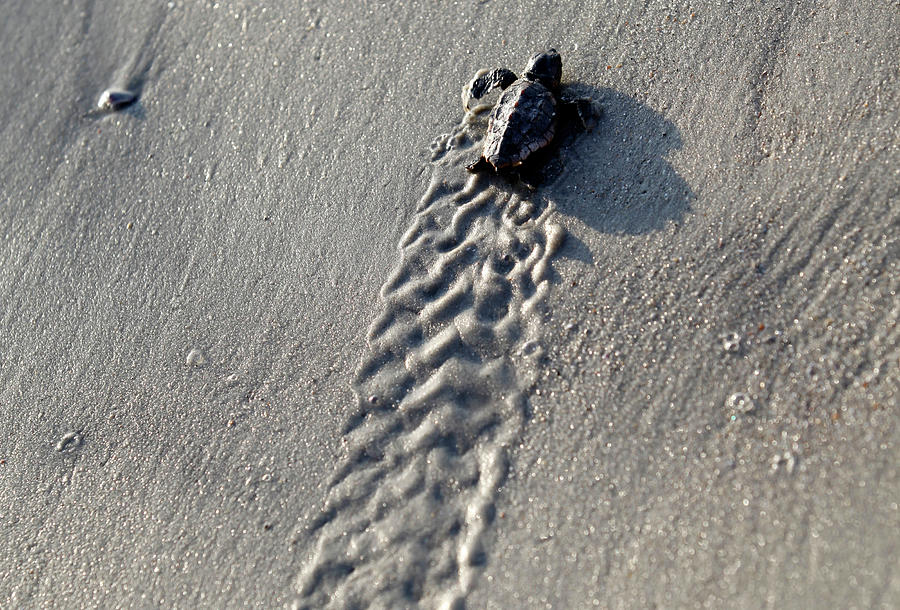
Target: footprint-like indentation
<point x="439" y="399"/>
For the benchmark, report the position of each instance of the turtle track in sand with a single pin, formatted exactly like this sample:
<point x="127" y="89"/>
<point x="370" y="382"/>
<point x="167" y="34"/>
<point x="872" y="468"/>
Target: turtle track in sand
<point x="441" y="395"/>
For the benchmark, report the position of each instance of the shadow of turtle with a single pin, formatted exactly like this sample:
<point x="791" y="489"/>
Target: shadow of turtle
<point x="617" y="178"/>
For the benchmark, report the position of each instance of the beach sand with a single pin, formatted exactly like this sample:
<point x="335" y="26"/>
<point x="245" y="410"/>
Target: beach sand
<point x="264" y="341"/>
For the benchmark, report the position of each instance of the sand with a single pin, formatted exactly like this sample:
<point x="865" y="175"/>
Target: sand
<point x="265" y="342"/>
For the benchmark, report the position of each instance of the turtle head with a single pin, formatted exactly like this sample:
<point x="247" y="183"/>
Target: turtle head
<point x="545" y="68"/>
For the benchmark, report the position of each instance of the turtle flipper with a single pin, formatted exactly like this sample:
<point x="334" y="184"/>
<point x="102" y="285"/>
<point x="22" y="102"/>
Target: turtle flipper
<point x="486" y="81"/>
<point x="479" y="166"/>
<point x="584" y="110"/>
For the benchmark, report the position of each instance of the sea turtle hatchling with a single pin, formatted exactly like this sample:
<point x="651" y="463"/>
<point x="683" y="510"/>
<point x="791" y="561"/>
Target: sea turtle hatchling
<point x="526" y="116"/>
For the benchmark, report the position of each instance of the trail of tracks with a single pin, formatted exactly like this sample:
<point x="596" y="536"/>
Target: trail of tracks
<point x="441" y="396"/>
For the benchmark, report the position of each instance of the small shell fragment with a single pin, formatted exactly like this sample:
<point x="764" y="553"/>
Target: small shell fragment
<point x="115" y="99"/>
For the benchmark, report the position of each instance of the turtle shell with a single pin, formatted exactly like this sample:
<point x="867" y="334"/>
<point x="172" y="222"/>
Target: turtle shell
<point x="523" y="121"/>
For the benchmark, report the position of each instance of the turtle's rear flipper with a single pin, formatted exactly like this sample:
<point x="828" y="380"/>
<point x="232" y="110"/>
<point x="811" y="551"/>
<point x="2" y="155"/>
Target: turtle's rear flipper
<point x="542" y="167"/>
<point x="479" y="166"/>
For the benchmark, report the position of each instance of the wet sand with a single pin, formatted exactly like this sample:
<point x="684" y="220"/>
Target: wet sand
<point x="264" y="341"/>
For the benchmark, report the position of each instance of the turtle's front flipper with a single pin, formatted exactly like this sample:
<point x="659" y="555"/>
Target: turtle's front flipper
<point x="484" y="82"/>
<point x="580" y="110"/>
